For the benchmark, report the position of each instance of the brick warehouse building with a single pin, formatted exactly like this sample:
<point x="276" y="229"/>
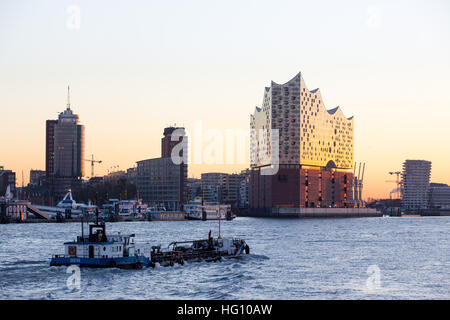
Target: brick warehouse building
<point x="311" y="147"/>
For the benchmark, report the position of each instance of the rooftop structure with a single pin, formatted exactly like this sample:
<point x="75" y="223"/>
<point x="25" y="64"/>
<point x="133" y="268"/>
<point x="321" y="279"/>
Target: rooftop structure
<point x="309" y="134"/>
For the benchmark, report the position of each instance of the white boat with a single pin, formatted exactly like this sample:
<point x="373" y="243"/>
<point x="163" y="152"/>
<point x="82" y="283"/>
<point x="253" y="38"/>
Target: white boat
<point x="76" y="208"/>
<point x="131" y="208"/>
<point x="207" y="211"/>
<point x="67" y="202"/>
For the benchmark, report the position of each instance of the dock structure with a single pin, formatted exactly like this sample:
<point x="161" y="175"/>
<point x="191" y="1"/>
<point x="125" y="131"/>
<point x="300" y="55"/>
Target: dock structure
<point x="18" y="210"/>
<point x="38" y="213"/>
<point x="314" y="213"/>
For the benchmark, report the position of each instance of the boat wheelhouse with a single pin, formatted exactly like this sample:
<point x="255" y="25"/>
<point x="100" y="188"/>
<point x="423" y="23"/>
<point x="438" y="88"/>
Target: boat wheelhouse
<point x="99" y="250"/>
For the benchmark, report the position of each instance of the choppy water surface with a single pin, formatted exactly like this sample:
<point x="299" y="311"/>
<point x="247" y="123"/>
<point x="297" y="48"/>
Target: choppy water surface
<point x="290" y="259"/>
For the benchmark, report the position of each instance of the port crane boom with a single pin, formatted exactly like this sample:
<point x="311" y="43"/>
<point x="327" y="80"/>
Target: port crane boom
<point x="398" y="173"/>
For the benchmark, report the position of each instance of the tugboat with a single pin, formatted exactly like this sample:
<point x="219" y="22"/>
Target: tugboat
<point x="98" y="250"/>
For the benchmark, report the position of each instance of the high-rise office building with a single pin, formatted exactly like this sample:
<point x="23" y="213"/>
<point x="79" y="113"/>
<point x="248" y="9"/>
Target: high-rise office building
<point x="172" y="137"/>
<point x="301" y="153"/>
<point x="162" y="181"/>
<point x="50" y="147"/>
<point x="64" y="152"/>
<point x="415" y="182"/>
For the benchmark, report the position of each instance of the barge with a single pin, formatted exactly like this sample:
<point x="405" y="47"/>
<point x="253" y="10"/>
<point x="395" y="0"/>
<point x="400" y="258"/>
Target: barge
<point x="209" y="250"/>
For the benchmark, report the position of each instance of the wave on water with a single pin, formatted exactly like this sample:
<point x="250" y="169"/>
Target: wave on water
<point x="23" y="262"/>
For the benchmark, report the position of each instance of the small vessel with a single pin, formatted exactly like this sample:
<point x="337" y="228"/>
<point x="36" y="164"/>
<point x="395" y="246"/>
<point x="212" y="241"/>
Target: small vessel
<point x="99" y="250"/>
<point x="159" y="213"/>
<point x="207" y="211"/>
<point x="131" y="208"/>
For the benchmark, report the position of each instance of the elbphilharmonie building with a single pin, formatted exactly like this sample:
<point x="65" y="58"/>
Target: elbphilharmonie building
<point x="301" y="153"/>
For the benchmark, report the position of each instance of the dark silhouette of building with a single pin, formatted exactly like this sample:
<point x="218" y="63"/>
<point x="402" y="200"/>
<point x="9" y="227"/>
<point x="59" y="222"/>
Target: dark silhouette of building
<point x="64" y="152"/>
<point x="7" y="178"/>
<point x="37" y="177"/>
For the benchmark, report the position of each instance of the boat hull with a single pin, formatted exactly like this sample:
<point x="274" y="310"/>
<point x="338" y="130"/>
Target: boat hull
<point x="135" y="262"/>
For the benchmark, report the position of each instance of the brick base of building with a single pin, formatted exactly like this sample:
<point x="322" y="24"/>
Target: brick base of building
<point x="301" y="187"/>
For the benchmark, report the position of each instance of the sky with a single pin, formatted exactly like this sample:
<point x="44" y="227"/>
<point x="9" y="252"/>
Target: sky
<point x="135" y="67"/>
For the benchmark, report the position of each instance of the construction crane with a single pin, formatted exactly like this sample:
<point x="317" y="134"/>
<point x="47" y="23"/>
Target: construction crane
<point x="92" y="161"/>
<point x="398" y="173"/>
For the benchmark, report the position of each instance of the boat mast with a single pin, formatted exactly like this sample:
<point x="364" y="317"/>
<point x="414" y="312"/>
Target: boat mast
<point x="82" y="228"/>
<point x="219" y="222"/>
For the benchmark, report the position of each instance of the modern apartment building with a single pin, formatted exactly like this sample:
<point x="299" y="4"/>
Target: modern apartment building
<point x="301" y="153"/>
<point x="439" y="195"/>
<point x="222" y="187"/>
<point x="415" y="182"/>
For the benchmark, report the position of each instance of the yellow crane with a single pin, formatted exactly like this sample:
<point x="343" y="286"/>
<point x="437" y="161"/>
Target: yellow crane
<point x="92" y="161"/>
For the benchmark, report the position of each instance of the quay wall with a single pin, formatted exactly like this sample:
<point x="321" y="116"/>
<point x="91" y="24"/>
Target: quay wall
<point x="312" y="212"/>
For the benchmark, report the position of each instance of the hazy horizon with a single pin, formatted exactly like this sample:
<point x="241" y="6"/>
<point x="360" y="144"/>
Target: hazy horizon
<point x="136" y="67"/>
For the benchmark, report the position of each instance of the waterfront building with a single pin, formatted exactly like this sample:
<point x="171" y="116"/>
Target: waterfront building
<point x="243" y="193"/>
<point x="194" y="188"/>
<point x="64" y="152"/>
<point x="37" y="177"/>
<point x="162" y="181"/>
<point x="439" y="195"/>
<point x="230" y="189"/>
<point x="301" y="153"/>
<point x="7" y="178"/>
<point x="222" y="187"/>
<point x="131" y="175"/>
<point x="211" y="183"/>
<point x="415" y="182"/>
<point x="116" y="177"/>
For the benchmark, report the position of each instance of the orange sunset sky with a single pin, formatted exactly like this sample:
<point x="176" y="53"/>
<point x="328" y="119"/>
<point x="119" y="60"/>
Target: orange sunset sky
<point x="136" y="67"/>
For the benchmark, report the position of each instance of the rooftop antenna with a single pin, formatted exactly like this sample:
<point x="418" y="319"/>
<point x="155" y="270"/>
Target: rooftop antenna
<point x="68" y="97"/>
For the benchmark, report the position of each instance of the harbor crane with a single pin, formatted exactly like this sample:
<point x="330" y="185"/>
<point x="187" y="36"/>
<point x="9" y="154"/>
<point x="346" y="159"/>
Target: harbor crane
<point x="398" y="173"/>
<point x="92" y="161"/>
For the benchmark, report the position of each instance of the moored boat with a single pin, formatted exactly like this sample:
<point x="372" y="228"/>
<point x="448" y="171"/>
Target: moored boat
<point x="208" y="211"/>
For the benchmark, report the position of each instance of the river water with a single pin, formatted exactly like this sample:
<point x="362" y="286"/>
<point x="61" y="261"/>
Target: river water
<point x="360" y="258"/>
